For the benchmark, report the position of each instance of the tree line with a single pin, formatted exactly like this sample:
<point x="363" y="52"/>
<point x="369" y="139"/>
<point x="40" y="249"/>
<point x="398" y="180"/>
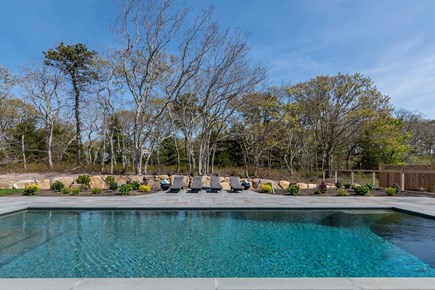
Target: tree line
<point x="180" y="91"/>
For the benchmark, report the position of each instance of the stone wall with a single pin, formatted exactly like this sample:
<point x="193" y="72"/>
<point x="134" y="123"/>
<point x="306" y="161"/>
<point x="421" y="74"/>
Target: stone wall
<point x="152" y="180"/>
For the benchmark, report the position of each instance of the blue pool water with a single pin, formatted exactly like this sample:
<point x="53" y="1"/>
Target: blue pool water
<point x="140" y="243"/>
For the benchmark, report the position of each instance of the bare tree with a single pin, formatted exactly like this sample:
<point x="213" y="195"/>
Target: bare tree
<point x="213" y="95"/>
<point x="110" y="98"/>
<point x="161" y="53"/>
<point x="43" y="87"/>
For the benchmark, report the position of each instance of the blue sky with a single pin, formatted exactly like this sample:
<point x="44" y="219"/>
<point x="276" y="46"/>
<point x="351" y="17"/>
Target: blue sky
<point x="391" y="41"/>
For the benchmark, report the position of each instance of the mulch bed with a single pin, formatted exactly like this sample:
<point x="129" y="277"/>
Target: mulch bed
<point x="47" y="192"/>
<point x="304" y="192"/>
<point x="333" y="192"/>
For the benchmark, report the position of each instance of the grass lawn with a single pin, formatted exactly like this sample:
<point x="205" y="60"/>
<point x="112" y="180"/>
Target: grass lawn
<point x="10" y="191"/>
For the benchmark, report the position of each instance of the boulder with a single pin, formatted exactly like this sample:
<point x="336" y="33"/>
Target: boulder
<point x="206" y="181"/>
<point x="76" y="185"/>
<point x="226" y="185"/>
<point x="311" y="185"/>
<point x="161" y="177"/>
<point x="43" y="184"/>
<point x="155" y="185"/>
<point x="121" y="179"/>
<point x="136" y="178"/>
<point x="283" y="184"/>
<point x="23" y="184"/>
<point x="67" y="181"/>
<point x="97" y="182"/>
<point x="255" y="182"/>
<point x="330" y="185"/>
<point x="6" y="185"/>
<point x="303" y="185"/>
<point x="151" y="183"/>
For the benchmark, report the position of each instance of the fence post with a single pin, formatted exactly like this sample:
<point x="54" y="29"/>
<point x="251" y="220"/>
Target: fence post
<point x="352" y="177"/>
<point x="402" y="180"/>
<point x="336" y="176"/>
<point x="374" y="178"/>
<point x="432" y="177"/>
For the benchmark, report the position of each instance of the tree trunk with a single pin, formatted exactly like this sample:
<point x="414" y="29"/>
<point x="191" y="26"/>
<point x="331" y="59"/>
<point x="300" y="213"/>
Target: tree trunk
<point x="77" y="116"/>
<point x="329" y="154"/>
<point x="103" y="145"/>
<point x="145" y="167"/>
<point x="112" y="153"/>
<point x="177" y="150"/>
<point x="49" y="133"/>
<point x="23" y="151"/>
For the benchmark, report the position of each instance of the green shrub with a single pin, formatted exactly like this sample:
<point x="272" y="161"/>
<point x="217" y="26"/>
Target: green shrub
<point x="397" y="187"/>
<point x="361" y="189"/>
<point x="134" y="185"/>
<point x="266" y="187"/>
<point x="75" y="191"/>
<point x="125" y="189"/>
<point x="342" y="192"/>
<point x="293" y="189"/>
<point x="31" y="190"/>
<point x="109" y="179"/>
<point x="144" y="188"/>
<point x="57" y="185"/>
<point x="84" y="180"/>
<point x="322" y="187"/>
<point x="339" y="184"/>
<point x="391" y="191"/>
<point x="65" y="190"/>
<point x="347" y="185"/>
<point x="96" y="190"/>
<point x="113" y="185"/>
<point x="370" y="186"/>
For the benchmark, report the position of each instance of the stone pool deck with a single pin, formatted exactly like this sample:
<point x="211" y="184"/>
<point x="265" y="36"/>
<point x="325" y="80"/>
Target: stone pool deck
<point x="205" y="200"/>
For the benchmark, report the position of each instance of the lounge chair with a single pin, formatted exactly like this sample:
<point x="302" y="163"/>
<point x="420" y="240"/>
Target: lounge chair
<point x="215" y="183"/>
<point x="235" y="184"/>
<point x="178" y="184"/>
<point x="196" y="184"/>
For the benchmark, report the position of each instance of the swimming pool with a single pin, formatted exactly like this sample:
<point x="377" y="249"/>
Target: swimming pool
<point x="200" y="243"/>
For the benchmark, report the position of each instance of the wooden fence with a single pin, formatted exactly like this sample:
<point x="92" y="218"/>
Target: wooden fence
<point x="416" y="177"/>
<point x="409" y="177"/>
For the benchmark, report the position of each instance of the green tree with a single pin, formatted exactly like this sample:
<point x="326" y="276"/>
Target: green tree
<point x="383" y="141"/>
<point x="76" y="62"/>
<point x="336" y="108"/>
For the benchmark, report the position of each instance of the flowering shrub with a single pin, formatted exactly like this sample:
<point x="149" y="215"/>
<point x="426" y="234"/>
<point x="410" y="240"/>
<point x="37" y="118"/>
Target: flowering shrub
<point x="267" y="187"/>
<point x="144" y="188"/>
<point x="31" y="190"/>
<point x="323" y="187"/>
